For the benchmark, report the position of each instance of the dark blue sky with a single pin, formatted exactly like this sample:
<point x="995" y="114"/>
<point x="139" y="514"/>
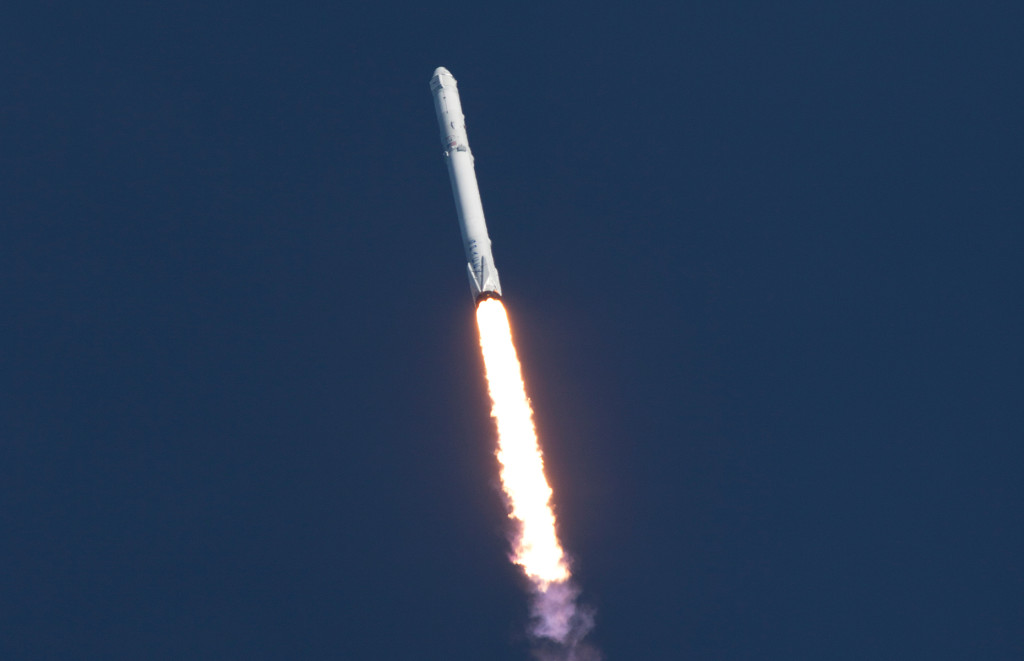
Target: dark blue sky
<point x="764" y="265"/>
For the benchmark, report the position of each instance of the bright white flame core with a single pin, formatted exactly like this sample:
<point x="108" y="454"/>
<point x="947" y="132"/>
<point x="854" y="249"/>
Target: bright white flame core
<point x="522" y="467"/>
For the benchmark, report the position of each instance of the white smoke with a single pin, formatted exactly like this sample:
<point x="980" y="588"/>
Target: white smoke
<point x="560" y="624"/>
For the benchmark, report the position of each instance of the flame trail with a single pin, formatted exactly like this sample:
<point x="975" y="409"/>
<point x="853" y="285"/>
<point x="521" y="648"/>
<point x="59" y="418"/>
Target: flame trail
<point x="536" y="550"/>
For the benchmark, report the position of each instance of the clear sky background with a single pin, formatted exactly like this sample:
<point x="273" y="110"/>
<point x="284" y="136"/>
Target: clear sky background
<point x="764" y="267"/>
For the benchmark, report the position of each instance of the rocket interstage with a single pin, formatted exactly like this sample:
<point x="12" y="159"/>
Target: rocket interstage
<point x="483" y="276"/>
<point x="559" y="623"/>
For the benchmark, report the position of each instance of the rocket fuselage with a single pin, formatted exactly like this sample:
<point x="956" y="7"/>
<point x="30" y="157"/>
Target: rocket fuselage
<point x="483" y="276"/>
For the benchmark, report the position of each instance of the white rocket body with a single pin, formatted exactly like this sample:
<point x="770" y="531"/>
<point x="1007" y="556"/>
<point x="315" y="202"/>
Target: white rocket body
<point x="483" y="276"/>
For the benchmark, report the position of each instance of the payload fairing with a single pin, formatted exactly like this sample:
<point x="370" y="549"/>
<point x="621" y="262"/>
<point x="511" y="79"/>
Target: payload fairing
<point x="483" y="276"/>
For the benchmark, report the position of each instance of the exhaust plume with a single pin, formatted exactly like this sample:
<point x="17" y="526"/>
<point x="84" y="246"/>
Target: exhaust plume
<point x="559" y="623"/>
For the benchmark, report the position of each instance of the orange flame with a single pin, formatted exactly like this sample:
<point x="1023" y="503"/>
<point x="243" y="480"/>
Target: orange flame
<point x="537" y="550"/>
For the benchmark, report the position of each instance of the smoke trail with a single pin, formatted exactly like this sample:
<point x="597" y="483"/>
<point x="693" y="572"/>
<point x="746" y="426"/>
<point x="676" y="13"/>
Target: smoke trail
<point x="559" y="623"/>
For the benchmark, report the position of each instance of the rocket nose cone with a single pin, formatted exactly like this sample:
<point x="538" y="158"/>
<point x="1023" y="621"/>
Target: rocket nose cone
<point x="441" y="71"/>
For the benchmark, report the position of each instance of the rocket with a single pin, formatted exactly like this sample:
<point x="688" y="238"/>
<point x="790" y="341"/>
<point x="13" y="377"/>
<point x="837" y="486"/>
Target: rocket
<point x="483" y="276"/>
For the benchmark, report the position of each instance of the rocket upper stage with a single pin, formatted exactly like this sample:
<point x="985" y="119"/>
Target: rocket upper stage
<point x="449" y="110"/>
<point x="483" y="276"/>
